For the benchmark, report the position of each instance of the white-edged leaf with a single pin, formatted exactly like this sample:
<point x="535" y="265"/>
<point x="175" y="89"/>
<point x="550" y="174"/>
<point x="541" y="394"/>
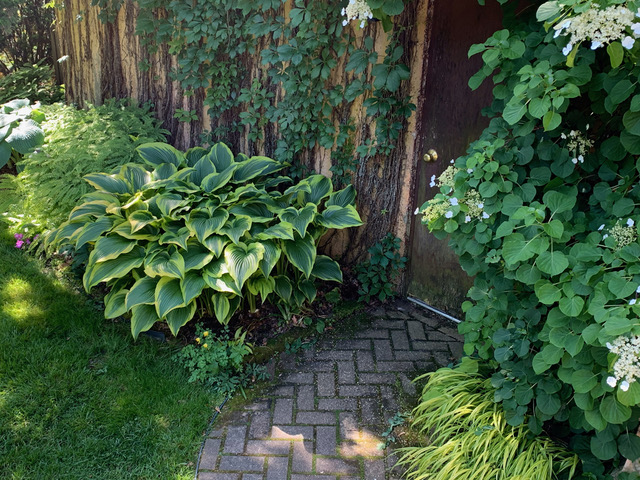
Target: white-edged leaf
<point x="142" y="292"/>
<point x="168" y="296"/>
<point x="178" y="317"/>
<point x="301" y="252"/>
<point x="157" y="153"/>
<point x="327" y="269"/>
<point x="243" y="261"/>
<point x="142" y="319"/>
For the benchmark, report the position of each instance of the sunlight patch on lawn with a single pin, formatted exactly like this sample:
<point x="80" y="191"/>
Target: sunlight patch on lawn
<point x="19" y="292"/>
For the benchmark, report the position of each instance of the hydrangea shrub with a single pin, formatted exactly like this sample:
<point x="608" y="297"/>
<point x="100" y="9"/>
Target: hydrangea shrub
<point x="544" y="210"/>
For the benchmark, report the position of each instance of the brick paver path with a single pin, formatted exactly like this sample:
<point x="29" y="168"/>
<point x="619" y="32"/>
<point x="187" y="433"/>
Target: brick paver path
<point x="324" y="419"/>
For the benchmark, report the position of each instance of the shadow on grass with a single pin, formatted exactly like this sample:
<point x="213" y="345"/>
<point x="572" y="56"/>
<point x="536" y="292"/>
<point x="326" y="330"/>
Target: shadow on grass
<point x="78" y="397"/>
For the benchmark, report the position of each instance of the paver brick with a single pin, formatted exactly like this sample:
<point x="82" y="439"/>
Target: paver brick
<point x="382" y="349"/>
<point x="377" y="333"/>
<point x="210" y="454"/>
<point x="416" y="330"/>
<point x="356" y="390"/>
<point x="306" y="398"/>
<point x="374" y="470"/>
<point x="291" y="432"/>
<point x="241" y="463"/>
<point x="361" y="344"/>
<point x="260" y="425"/>
<point x="431" y="346"/>
<point x="336" y="465"/>
<point x="313" y="477"/>
<point x="253" y="476"/>
<point x="337" y="404"/>
<point x="234" y="441"/>
<point x="302" y="459"/>
<point x="326" y="384"/>
<point x="365" y="362"/>
<point x="390" y="324"/>
<point x="277" y="468"/>
<point x="284" y="391"/>
<point x="346" y="373"/>
<point x="394" y="366"/>
<point x="283" y="411"/>
<point x="218" y="476"/>
<point x="268" y="447"/>
<point x="400" y="340"/>
<point x="299" y="377"/>
<point x="375" y="378"/>
<point x="334" y="355"/>
<point x="316" y="418"/>
<point x="326" y="440"/>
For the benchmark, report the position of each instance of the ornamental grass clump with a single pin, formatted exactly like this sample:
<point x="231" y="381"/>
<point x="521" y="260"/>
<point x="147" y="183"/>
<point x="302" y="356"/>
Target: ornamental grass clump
<point x="466" y="435"/>
<point x="202" y="233"/>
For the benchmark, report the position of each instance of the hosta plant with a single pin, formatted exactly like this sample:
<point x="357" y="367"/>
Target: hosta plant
<point x="204" y="230"/>
<point x="20" y="130"/>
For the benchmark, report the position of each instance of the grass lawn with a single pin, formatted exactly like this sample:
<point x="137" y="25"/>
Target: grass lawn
<point x="79" y="399"/>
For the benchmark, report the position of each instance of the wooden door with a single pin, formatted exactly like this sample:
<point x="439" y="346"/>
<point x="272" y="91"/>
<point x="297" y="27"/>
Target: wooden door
<point x="451" y="119"/>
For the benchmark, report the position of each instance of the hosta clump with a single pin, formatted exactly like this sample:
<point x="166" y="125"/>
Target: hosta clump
<point x="204" y="230"/>
<point x="544" y="212"/>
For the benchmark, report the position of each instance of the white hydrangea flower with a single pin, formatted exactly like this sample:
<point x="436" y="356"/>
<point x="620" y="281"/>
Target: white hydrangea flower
<point x="611" y="381"/>
<point x="635" y="27"/>
<point x="567" y="50"/>
<point x="632" y="301"/>
<point x="454" y="201"/>
<point x="417" y="211"/>
<point x="624" y="385"/>
<point x="628" y="42"/>
<point x="449" y="214"/>
<point x="357" y="10"/>
<point x="595" y="45"/>
<point x="485" y="215"/>
<point x="626" y="369"/>
<point x="467" y="219"/>
<point x="601" y="227"/>
<point x="630" y="222"/>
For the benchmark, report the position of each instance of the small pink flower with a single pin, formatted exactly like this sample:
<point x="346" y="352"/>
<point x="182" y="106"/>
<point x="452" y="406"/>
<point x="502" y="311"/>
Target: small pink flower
<point x="19" y="244"/>
<point x="18" y="236"/>
<point x="28" y="241"/>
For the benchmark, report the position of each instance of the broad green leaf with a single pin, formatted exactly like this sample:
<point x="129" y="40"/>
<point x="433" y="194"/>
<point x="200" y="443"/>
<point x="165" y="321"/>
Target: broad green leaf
<point x="283" y="231"/>
<point x="107" y="183"/>
<point x="548" y="11"/>
<point x="196" y="257"/>
<point x="202" y="169"/>
<point x="235" y="228"/>
<point x="221" y="307"/>
<point x="140" y="219"/>
<point x="203" y="224"/>
<point x="258" y="212"/>
<point x="327" y="269"/>
<point x="25" y="137"/>
<point x="571" y="306"/>
<point x="194" y="154"/>
<point x="178" y="317"/>
<point x="216" y="244"/>
<point x="157" y="153"/>
<point x="594" y="418"/>
<point x="168" y="296"/>
<point x="613" y="411"/>
<point x="254" y="167"/>
<point x="342" y="198"/>
<point x="221" y="156"/>
<point x="92" y="231"/>
<point x="108" y="248"/>
<point x="549" y="404"/>
<point x="629" y="446"/>
<point x="621" y="91"/>
<point x="168" y="202"/>
<point x="271" y="256"/>
<point x="603" y="449"/>
<point x="224" y="284"/>
<point x="116" y="268"/>
<point x="283" y="287"/>
<point x="301" y="252"/>
<point x="516" y="248"/>
<point x="551" y="120"/>
<point x="631" y="397"/>
<point x="142" y="319"/>
<point x="175" y="238"/>
<point x="243" y="261"/>
<point x="135" y="175"/>
<point x="261" y="286"/>
<point x="321" y="187"/>
<point x="553" y="263"/>
<point x="114" y="303"/>
<point x="513" y="112"/>
<point x="89" y="209"/>
<point x="192" y="285"/>
<point x="142" y="292"/>
<point x="539" y="364"/>
<point x="215" y="181"/>
<point x="583" y="380"/>
<point x="555" y="228"/>
<point x="165" y="264"/>
<point x="339" y="217"/>
<point x="300" y="219"/>
<point x="616" y="54"/>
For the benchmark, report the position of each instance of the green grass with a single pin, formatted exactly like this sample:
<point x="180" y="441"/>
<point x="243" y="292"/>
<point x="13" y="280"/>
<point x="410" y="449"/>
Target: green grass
<point x="79" y="398"/>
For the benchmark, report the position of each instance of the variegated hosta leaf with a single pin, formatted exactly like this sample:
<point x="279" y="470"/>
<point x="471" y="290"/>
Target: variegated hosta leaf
<point x="301" y="252"/>
<point x="135" y="175"/>
<point x="165" y="265"/>
<point x="108" y="248"/>
<point x="157" y="153"/>
<point x="92" y="231"/>
<point x="215" y="181"/>
<point x="116" y="268"/>
<point x="168" y="296"/>
<point x="107" y="183"/>
<point x="192" y="285"/>
<point x="202" y="169"/>
<point x="176" y="238"/>
<point x="298" y="297"/>
<point x="339" y="217"/>
<point x="271" y="256"/>
<point x="163" y="172"/>
<point x="142" y="319"/>
<point x="140" y="219"/>
<point x="221" y="156"/>
<point x="235" y="228"/>
<point x="168" y="202"/>
<point x="194" y="154"/>
<point x="225" y="306"/>
<point x="196" y="257"/>
<point x="216" y="244"/>
<point x="258" y="212"/>
<point x="224" y="284"/>
<point x="320" y="186"/>
<point x="301" y="187"/>
<point x="282" y="230"/>
<point x="180" y="316"/>
<point x="148" y="232"/>
<point x="342" y="198"/>
<point x="95" y="208"/>
<point x="300" y="219"/>
<point x="326" y="269"/>
<point x="254" y="167"/>
<point x="114" y="303"/>
<point x="262" y="286"/>
<point x="283" y="287"/>
<point x="243" y="261"/>
<point x="308" y="289"/>
<point x="142" y="292"/>
<point x="203" y="223"/>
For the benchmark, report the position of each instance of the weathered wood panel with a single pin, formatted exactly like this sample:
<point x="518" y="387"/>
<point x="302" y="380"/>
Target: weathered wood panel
<point x="103" y="62"/>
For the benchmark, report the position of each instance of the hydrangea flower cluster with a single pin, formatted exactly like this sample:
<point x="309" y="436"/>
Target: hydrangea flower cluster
<point x="626" y="367"/>
<point x="623" y="235"/>
<point x="446" y="178"/>
<point x="601" y="27"/>
<point x="358" y="10"/>
<point x="578" y="144"/>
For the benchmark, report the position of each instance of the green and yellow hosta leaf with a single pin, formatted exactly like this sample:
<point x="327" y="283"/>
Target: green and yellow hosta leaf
<point x="243" y="261"/>
<point x="192" y="285"/>
<point x="168" y="296"/>
<point x="216" y="244"/>
<point x="342" y="198"/>
<point x="92" y="231"/>
<point x="221" y="307"/>
<point x="116" y="268"/>
<point x="215" y="181"/>
<point x="201" y="169"/>
<point x="114" y="303"/>
<point x="261" y="286"/>
<point x="176" y="238"/>
<point x="258" y="212"/>
<point x="299" y="219"/>
<point x="163" y="172"/>
<point x="140" y="219"/>
<point x="107" y="183"/>
<point x="301" y="252"/>
<point x="236" y="227"/>
<point x="224" y="284"/>
<point x="168" y="202"/>
<point x="320" y="187"/>
<point x="339" y="217"/>
<point x="221" y="156"/>
<point x="282" y="230"/>
<point x="157" y="153"/>
<point x="194" y="154"/>
<point x="148" y="232"/>
<point x="203" y="223"/>
<point x="271" y="256"/>
<point x="142" y="319"/>
<point x="143" y="292"/>
<point x="95" y="208"/>
<point x="308" y="289"/>
<point x="108" y="248"/>
<point x="178" y="317"/>
<point x="325" y="268"/>
<point x="135" y="175"/>
<point x="165" y="265"/>
<point x="283" y="287"/>
<point x="254" y="167"/>
<point x="196" y="257"/>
